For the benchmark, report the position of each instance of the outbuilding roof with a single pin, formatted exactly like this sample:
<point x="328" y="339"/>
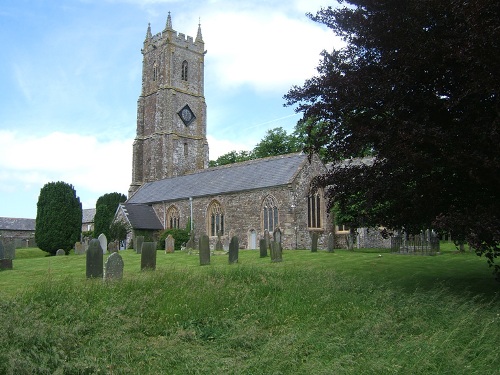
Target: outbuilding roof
<point x="249" y="175"/>
<point x="141" y="216"/>
<point x="11" y="223"/>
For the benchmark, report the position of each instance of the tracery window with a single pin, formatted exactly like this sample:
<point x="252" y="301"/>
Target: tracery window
<point x="184" y="74"/>
<point x="215" y="219"/>
<point x="155" y="72"/>
<point x="173" y="218"/>
<point x="270" y="213"/>
<point x="314" y="210"/>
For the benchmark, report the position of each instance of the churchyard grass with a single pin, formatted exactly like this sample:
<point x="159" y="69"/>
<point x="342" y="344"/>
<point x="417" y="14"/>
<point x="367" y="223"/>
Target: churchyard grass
<point x="360" y="312"/>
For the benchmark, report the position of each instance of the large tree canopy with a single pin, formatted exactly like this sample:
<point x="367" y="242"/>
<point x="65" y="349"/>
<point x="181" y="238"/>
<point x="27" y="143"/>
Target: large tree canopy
<point x="58" y="217"/>
<point x="106" y="206"/>
<point x="417" y="86"/>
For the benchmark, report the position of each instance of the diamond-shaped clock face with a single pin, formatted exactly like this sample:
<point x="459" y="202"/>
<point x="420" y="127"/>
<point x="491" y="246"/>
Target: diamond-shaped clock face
<point x="187" y="116"/>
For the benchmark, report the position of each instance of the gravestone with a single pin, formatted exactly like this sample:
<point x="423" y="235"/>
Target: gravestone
<point x="148" y="256"/>
<point x="113" y="268"/>
<point x="79" y="248"/>
<point x="94" y="259"/>
<point x="218" y="245"/>
<point x="104" y="243"/>
<point x="267" y="237"/>
<point x="191" y="244"/>
<point x="138" y="241"/>
<point x="9" y="250"/>
<point x="331" y="243"/>
<point x="204" y="247"/>
<point x="263" y="247"/>
<point x="5" y="264"/>
<point x="113" y="246"/>
<point x="233" y="250"/>
<point x="169" y="244"/>
<point x="276" y="251"/>
<point x="314" y="242"/>
<point x="60" y="252"/>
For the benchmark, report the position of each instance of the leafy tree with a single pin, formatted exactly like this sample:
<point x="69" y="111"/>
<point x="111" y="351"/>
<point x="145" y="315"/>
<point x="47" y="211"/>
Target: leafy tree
<point x="181" y="236"/>
<point x="232" y="157"/>
<point x="118" y="230"/>
<point x="276" y="142"/>
<point x="417" y="85"/>
<point x="58" y="217"/>
<point x="106" y="206"/>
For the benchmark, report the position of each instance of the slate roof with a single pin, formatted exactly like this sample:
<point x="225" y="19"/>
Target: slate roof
<point x="11" y="223"/>
<point x="249" y="175"/>
<point x="142" y="216"/>
<point x="88" y="215"/>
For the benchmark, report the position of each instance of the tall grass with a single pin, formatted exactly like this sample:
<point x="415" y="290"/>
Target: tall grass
<point x="315" y="313"/>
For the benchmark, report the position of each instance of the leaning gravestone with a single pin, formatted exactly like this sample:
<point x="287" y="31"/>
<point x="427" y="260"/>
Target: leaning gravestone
<point x="233" y="250"/>
<point x="169" y="244"/>
<point x="263" y="247"/>
<point x="204" y="247"/>
<point x="148" y="256"/>
<point x="330" y="243"/>
<point x="113" y="269"/>
<point x="314" y="242"/>
<point x="113" y="246"/>
<point x="60" y="252"/>
<point x="191" y="244"/>
<point x="138" y="241"/>
<point x="94" y="259"/>
<point x="104" y="243"/>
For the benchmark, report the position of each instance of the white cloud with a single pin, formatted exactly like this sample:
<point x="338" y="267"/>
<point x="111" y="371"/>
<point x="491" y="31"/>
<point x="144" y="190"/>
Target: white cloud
<point x="268" y="51"/>
<point x="220" y="147"/>
<point x="91" y="166"/>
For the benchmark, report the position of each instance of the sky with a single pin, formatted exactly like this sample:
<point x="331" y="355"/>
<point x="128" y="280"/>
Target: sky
<point x="71" y="71"/>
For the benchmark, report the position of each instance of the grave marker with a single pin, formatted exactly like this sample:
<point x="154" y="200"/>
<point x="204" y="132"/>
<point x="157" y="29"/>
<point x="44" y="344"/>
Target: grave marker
<point x="94" y="259"/>
<point x="263" y="247"/>
<point x="138" y="241"/>
<point x="113" y="269"/>
<point x="331" y="243"/>
<point x="204" y="250"/>
<point x="314" y="242"/>
<point x="169" y="244"/>
<point x="148" y="256"/>
<point x="104" y="243"/>
<point x="233" y="250"/>
<point x="60" y="252"/>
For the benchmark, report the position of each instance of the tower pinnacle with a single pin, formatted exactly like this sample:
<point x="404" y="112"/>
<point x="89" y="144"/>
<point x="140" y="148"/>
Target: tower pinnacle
<point x="169" y="22"/>
<point x="199" y="37"/>
<point x="148" y="33"/>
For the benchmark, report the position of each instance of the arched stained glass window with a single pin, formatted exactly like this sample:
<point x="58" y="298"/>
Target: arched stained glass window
<point x="314" y="210"/>
<point x="173" y="218"/>
<point x="270" y="213"/>
<point x="215" y="219"/>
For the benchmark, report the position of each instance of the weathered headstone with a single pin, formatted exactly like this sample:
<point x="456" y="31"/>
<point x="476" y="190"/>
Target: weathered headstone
<point x="79" y="248"/>
<point x="104" y="243"/>
<point x="94" y="259"/>
<point x="138" y="241"/>
<point x="148" y="256"/>
<point x="191" y="244"/>
<point x="60" y="252"/>
<point x="331" y="243"/>
<point x="113" y="246"/>
<point x="204" y="247"/>
<point x="218" y="245"/>
<point x="9" y="249"/>
<point x="314" y="242"/>
<point x="113" y="268"/>
<point x="169" y="244"/>
<point x="267" y="237"/>
<point x="263" y="247"/>
<point x="233" y="250"/>
<point x="276" y="251"/>
<point x="5" y="264"/>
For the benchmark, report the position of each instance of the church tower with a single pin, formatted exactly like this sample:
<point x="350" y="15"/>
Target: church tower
<point x="171" y="110"/>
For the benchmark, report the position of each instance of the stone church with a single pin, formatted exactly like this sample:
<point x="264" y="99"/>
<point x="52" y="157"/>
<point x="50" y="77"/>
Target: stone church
<point x="171" y="182"/>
